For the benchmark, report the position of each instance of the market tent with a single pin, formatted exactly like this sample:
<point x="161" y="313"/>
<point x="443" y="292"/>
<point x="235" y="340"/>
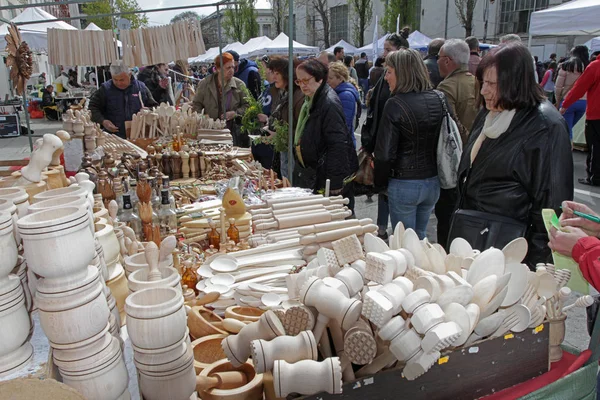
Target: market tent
<point x="256" y="43"/>
<point x="575" y="18"/>
<point x="93" y="27"/>
<point x="416" y="40"/>
<point x="236" y="46"/>
<point x="348" y="48"/>
<point x="209" y="55"/>
<point x="593" y="44"/>
<point x="280" y="45"/>
<point x="36" y="35"/>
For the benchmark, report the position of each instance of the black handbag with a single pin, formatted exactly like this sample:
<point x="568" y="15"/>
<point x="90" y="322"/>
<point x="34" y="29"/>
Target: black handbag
<point x="483" y="229"/>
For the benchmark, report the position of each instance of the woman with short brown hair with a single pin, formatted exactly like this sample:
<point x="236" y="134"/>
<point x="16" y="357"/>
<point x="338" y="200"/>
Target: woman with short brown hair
<point x="518" y="159"/>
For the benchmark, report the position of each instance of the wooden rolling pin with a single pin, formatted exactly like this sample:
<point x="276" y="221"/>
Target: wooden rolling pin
<point x="329" y="226"/>
<point x="278" y="200"/>
<point x="293" y="221"/>
<point x="312" y="208"/>
<point x="288" y="244"/>
<point x="221" y="380"/>
<point x="327" y="201"/>
<point x="337" y="234"/>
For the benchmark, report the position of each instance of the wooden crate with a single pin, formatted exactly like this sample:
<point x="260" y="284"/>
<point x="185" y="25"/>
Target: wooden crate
<point x="470" y="373"/>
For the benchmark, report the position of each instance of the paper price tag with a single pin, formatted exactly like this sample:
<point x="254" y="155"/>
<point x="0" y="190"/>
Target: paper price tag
<point x="443" y="360"/>
<point x="509" y="336"/>
<point x="538" y="328"/>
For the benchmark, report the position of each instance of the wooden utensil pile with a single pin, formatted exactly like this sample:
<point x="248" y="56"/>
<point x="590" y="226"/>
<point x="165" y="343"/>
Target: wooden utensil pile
<point x="155" y="45"/>
<point x="81" y="47"/>
<point x="165" y="121"/>
<point x="452" y="299"/>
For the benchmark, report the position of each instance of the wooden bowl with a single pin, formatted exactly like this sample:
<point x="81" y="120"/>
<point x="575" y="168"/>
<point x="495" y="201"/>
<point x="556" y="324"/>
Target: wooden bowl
<point x="207" y="350"/>
<point x="201" y="323"/>
<point x="253" y="390"/>
<point x="246" y="314"/>
<point x="38" y="389"/>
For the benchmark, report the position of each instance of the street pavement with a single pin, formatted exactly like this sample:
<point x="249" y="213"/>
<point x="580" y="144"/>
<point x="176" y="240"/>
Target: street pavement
<point x="576" y="334"/>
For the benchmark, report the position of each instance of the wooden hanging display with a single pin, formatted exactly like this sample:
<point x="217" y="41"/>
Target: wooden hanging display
<point x="149" y="46"/>
<point x="66" y="47"/>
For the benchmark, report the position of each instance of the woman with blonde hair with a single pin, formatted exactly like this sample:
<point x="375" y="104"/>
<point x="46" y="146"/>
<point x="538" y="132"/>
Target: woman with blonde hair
<point x="338" y="78"/>
<point x="405" y="150"/>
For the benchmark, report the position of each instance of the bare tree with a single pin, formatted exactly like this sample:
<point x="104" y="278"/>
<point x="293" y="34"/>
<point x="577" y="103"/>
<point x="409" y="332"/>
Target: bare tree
<point x="321" y="17"/>
<point x="362" y="11"/>
<point x="464" y="12"/>
<point x="280" y="9"/>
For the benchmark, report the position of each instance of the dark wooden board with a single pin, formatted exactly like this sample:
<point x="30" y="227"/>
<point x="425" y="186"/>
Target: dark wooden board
<point x="479" y="370"/>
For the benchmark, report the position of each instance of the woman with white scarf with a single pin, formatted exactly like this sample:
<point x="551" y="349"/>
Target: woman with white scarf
<point x="518" y="159"/>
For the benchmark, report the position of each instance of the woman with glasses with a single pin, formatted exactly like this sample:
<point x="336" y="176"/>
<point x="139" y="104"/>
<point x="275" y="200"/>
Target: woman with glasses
<point x="517" y="160"/>
<point x="323" y="146"/>
<point x="405" y="151"/>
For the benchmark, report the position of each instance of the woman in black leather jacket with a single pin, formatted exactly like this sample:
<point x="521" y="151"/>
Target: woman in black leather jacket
<point x="322" y="144"/>
<point x="518" y="158"/>
<point x="405" y="151"/>
<point x="379" y="96"/>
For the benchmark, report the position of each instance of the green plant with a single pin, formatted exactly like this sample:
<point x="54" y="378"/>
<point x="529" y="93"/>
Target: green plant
<point x="250" y="121"/>
<point x="279" y="140"/>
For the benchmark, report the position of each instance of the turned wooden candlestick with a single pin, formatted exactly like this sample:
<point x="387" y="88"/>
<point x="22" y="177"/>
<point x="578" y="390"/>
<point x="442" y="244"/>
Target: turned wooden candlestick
<point x="237" y="347"/>
<point x="287" y="348"/>
<point x="330" y="302"/>
<point x="307" y="377"/>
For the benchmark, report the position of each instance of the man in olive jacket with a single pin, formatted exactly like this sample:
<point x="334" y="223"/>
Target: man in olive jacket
<point x="460" y="90"/>
<point x="459" y="84"/>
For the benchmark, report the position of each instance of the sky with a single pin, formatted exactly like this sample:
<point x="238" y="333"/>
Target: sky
<point x="164" y="17"/>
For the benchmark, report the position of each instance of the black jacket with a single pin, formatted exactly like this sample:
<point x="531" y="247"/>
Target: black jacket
<point x="151" y="78"/>
<point x="434" y="70"/>
<point x="368" y="135"/>
<point x="47" y="99"/>
<point x="528" y="168"/>
<point x="408" y="136"/>
<point x="325" y="144"/>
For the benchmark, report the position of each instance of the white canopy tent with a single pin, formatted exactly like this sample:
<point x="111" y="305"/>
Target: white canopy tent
<point x="416" y="40"/>
<point x="575" y="18"/>
<point x="593" y="44"/>
<point x="280" y="45"/>
<point x="210" y="54"/>
<point x="36" y="35"/>
<point x="256" y="43"/>
<point x="348" y="48"/>
<point x="235" y="46"/>
<point x="93" y="27"/>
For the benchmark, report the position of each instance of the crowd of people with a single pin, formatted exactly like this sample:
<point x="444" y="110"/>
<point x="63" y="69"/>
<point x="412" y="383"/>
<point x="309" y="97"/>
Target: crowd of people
<point x="516" y="146"/>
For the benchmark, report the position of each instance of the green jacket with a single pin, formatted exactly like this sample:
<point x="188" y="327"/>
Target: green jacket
<point x="461" y="92"/>
<point x="207" y="97"/>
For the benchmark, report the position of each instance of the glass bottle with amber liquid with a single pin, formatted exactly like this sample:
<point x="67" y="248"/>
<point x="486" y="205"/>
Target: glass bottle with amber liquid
<point x="189" y="276"/>
<point x="233" y="233"/>
<point x="214" y="239"/>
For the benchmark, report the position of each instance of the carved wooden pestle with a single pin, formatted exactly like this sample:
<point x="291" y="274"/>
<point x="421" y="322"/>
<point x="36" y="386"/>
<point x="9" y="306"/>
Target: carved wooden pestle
<point x="237" y="347"/>
<point x="307" y="377"/>
<point x="221" y="380"/>
<point x="152" y="260"/>
<point x="288" y="348"/>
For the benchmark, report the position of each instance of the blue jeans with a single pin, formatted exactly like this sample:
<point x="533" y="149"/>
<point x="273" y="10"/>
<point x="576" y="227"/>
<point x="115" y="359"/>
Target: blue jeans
<point x="364" y="84"/>
<point x="383" y="213"/>
<point x="412" y="202"/>
<point x="284" y="165"/>
<point x="574" y="114"/>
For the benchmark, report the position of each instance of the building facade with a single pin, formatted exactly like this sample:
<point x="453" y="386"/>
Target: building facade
<point x="209" y="24"/>
<point x="9" y="14"/>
